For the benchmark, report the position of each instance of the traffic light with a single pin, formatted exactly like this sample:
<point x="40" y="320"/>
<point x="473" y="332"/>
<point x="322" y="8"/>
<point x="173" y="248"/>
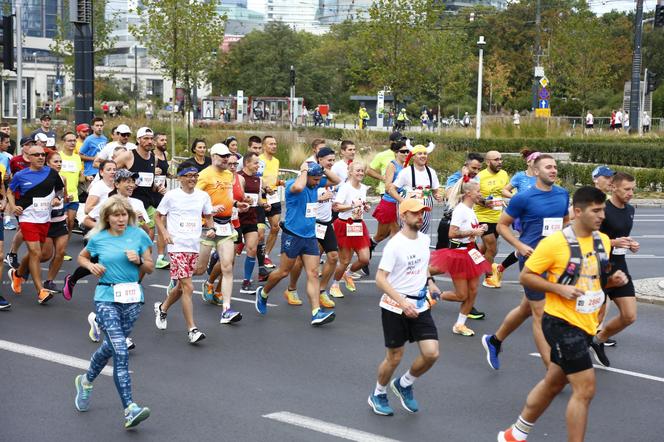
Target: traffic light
<point x="8" y="42"/>
<point x="659" y="16"/>
<point x="651" y="82"/>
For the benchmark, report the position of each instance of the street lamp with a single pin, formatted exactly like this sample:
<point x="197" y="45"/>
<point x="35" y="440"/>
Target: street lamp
<point x="478" y="117"/>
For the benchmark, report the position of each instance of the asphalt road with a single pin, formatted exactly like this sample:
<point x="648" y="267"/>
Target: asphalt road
<point x="281" y="367"/>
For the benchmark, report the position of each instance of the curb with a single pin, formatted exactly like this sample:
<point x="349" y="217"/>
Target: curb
<point x="650" y="290"/>
<point x="649" y="299"/>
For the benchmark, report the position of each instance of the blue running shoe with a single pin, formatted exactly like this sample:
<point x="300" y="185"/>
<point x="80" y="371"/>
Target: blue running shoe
<point x="261" y="303"/>
<point x="405" y="395"/>
<point x="4" y="304"/>
<point x="134" y="415"/>
<point x="491" y="352"/>
<point x="230" y="316"/>
<point x="322" y="317"/>
<point x="82" y="400"/>
<point x="379" y="405"/>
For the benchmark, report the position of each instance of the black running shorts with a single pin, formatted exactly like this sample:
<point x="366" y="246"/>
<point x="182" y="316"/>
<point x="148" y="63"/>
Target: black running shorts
<point x="397" y="329"/>
<point x="569" y="344"/>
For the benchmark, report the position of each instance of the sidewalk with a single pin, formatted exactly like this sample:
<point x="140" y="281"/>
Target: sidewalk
<point x="650" y="290"/>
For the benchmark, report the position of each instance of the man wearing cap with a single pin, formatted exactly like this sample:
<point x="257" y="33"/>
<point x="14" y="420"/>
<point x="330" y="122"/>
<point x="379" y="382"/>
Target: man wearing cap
<point x="123" y="132"/>
<point x="82" y="132"/>
<point x="404" y="279"/>
<point x="217" y="181"/>
<point x="92" y="145"/>
<point x="142" y="161"/>
<point x="298" y="239"/>
<point x="45" y="129"/>
<point x="602" y="177"/>
<point x="33" y="193"/>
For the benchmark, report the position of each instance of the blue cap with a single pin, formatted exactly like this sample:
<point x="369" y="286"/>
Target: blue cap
<point x="603" y="171"/>
<point x="314" y="169"/>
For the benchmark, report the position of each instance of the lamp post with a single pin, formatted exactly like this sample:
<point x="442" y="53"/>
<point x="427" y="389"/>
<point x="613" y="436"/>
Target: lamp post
<point x="478" y="117"/>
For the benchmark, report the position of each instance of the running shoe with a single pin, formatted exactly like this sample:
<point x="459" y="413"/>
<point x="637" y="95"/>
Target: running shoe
<point x="335" y="291"/>
<point x="476" y="314"/>
<point x="238" y="248"/>
<point x="214" y="258"/>
<point x="507" y="436"/>
<point x="171" y="285"/>
<point x="292" y="298"/>
<point x="161" y="263"/>
<point x="350" y="284"/>
<point x="68" y="288"/>
<point x="322" y="317"/>
<point x="10" y="224"/>
<point x="50" y="286"/>
<point x="134" y="415"/>
<point x="490" y="282"/>
<point x="130" y="343"/>
<point x="195" y="336"/>
<point x="160" y="318"/>
<point x="263" y="275"/>
<point x="261" y="303"/>
<point x="67" y="258"/>
<point x="610" y="343"/>
<point x="405" y="395"/>
<point x="94" y="332"/>
<point x="4" y="304"/>
<point x="491" y="352"/>
<point x="366" y="271"/>
<point x="354" y="275"/>
<point x="597" y="350"/>
<point x="218" y="299"/>
<point x="12" y="260"/>
<point x="247" y="287"/>
<point x="44" y="296"/>
<point x="268" y="263"/>
<point x="380" y="405"/>
<point x="16" y="281"/>
<point x="207" y="292"/>
<point x="325" y="301"/>
<point x="230" y="316"/>
<point x="497" y="275"/>
<point x="82" y="400"/>
<point x="462" y="329"/>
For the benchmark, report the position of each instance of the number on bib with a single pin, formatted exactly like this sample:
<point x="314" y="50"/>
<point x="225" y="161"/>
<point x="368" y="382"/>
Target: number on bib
<point x="69" y="166"/>
<point x="355" y="229"/>
<point x="41" y="204"/>
<point x="476" y="256"/>
<point x="254" y="199"/>
<point x="311" y="210"/>
<point x="321" y="230"/>
<point x="145" y="179"/>
<point x="590" y="302"/>
<point x="551" y="226"/>
<point x="189" y="224"/>
<point x="274" y="198"/>
<point x="223" y="229"/>
<point x="127" y="293"/>
<point x="160" y="180"/>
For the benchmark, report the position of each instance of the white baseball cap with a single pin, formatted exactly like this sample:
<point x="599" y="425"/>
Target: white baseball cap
<point x="143" y="131"/>
<point x="219" y="149"/>
<point x="124" y="129"/>
<point x="41" y="137"/>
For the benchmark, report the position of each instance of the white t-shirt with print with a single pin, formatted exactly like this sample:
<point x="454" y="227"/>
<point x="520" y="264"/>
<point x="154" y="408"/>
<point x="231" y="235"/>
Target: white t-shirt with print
<point x="348" y="194"/>
<point x="464" y="218"/>
<point x="183" y="218"/>
<point x="404" y="179"/>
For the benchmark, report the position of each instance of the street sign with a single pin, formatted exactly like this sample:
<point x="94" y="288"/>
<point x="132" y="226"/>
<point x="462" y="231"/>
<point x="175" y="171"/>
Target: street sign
<point x="543" y="113"/>
<point x="544" y="94"/>
<point x="539" y="71"/>
<point x="544" y="81"/>
<point x="543" y="104"/>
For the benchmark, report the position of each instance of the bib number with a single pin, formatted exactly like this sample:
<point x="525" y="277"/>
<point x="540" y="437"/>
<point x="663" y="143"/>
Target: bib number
<point x="390" y="304"/>
<point x="235" y="214"/>
<point x="41" y="204"/>
<point x="160" y="180"/>
<point x="223" y="229"/>
<point x="355" y="229"/>
<point x="619" y="251"/>
<point x="590" y="302"/>
<point x="69" y="166"/>
<point x="145" y="179"/>
<point x="189" y="225"/>
<point x="476" y="256"/>
<point x="551" y="226"/>
<point x="254" y="199"/>
<point x="311" y="210"/>
<point x="321" y="230"/>
<point x="497" y="204"/>
<point x="127" y="293"/>
<point x="274" y="198"/>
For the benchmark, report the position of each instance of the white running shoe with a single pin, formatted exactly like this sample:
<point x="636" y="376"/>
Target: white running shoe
<point x="94" y="332"/>
<point x="160" y="319"/>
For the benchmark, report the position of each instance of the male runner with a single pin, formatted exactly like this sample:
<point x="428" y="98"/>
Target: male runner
<point x="618" y="226"/>
<point x="123" y="133"/>
<point x="271" y="180"/>
<point x="298" y="239"/>
<point x="45" y="128"/>
<point x="72" y="172"/>
<point x="82" y="132"/>
<point x="602" y="176"/>
<point x="92" y="145"/>
<point x="572" y="268"/>
<point x="347" y="153"/>
<point x="160" y="176"/>
<point x="17" y="163"/>
<point x="403" y="277"/>
<point x="543" y="210"/>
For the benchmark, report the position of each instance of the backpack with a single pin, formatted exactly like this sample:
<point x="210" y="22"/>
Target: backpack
<point x="572" y="271"/>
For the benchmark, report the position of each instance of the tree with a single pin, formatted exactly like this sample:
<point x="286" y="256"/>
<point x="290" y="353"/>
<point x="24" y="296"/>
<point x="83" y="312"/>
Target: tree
<point x="182" y="36"/>
<point x="497" y="78"/>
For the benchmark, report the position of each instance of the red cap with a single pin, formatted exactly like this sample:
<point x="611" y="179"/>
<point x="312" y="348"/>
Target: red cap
<point x="83" y="126"/>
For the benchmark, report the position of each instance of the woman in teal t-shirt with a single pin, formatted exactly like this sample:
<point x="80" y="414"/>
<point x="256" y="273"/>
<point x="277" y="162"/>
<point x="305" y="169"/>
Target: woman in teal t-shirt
<point x="122" y="251"/>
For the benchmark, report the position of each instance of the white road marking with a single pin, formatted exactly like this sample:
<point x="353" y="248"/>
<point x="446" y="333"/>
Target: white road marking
<point x="620" y="371"/>
<point x="248" y="301"/>
<point x="326" y="427"/>
<point x="50" y="356"/>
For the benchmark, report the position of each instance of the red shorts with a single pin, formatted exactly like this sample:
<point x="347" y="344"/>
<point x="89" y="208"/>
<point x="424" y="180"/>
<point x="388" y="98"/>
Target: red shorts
<point x="33" y="232"/>
<point x="182" y="264"/>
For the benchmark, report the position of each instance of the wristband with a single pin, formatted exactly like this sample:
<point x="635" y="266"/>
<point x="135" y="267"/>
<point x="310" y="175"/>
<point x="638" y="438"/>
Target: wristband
<point x="140" y="261"/>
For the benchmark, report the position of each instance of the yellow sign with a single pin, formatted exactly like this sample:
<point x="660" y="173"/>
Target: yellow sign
<point x="543" y="113"/>
<point x="544" y="81"/>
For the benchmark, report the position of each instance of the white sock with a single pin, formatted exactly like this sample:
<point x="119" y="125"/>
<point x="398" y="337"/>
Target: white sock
<point x="461" y="319"/>
<point x="85" y="382"/>
<point x="380" y="389"/>
<point x="521" y="428"/>
<point x="407" y="379"/>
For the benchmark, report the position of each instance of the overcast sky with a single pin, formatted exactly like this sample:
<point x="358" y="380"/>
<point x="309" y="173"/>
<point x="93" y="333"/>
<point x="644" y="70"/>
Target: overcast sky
<point x="602" y="6"/>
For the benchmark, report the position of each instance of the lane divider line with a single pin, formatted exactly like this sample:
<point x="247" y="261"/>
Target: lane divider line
<point x="196" y="292"/>
<point x="620" y="371"/>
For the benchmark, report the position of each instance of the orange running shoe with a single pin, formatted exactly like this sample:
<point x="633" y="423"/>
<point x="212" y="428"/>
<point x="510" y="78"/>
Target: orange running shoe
<point x="44" y="295"/>
<point x="16" y="281"/>
<point x="350" y="283"/>
<point x="507" y="436"/>
<point x="292" y="298"/>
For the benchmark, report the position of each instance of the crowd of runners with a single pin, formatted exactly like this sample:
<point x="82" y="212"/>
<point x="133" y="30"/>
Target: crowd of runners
<point x="204" y="213"/>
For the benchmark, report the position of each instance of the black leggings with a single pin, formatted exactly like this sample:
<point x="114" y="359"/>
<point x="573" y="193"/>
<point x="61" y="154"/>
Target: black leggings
<point x="82" y="272"/>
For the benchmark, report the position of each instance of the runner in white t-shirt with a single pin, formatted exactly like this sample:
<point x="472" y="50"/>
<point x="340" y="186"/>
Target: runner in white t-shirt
<point x="403" y="278"/>
<point x="97" y="192"/>
<point x="182" y="209"/>
<point x="347" y="152"/>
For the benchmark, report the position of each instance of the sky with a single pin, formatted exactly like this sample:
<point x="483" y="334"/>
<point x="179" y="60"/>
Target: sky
<point x="602" y="6"/>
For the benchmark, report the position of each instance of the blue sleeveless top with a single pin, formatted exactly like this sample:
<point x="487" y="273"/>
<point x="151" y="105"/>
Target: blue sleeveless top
<point x="398" y="168"/>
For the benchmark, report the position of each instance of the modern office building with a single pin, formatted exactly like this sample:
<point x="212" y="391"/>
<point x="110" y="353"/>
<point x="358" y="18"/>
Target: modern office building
<point x="454" y="5"/>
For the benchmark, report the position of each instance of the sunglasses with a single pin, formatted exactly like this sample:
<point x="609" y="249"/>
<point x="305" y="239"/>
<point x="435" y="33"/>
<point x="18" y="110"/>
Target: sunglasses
<point x="404" y="151"/>
<point x="124" y="135"/>
<point x="222" y="156"/>
<point x="42" y="154"/>
<point x="190" y="175"/>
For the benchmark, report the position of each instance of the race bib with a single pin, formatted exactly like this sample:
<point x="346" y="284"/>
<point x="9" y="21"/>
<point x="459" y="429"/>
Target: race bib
<point x="311" y="210"/>
<point x="68" y="166"/>
<point x="254" y="199"/>
<point x="145" y="179"/>
<point x="235" y="214"/>
<point x="160" y="180"/>
<point x="321" y="230"/>
<point x="619" y="251"/>
<point x="274" y="198"/>
<point x="355" y="229"/>
<point x="223" y="229"/>
<point x="476" y="256"/>
<point x="127" y="293"/>
<point x="189" y="224"/>
<point x="41" y="204"/>
<point x="390" y="304"/>
<point x="590" y="302"/>
<point x="551" y="226"/>
<point x="497" y="204"/>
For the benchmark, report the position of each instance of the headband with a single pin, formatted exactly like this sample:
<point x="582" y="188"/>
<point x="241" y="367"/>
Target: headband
<point x="183" y="172"/>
